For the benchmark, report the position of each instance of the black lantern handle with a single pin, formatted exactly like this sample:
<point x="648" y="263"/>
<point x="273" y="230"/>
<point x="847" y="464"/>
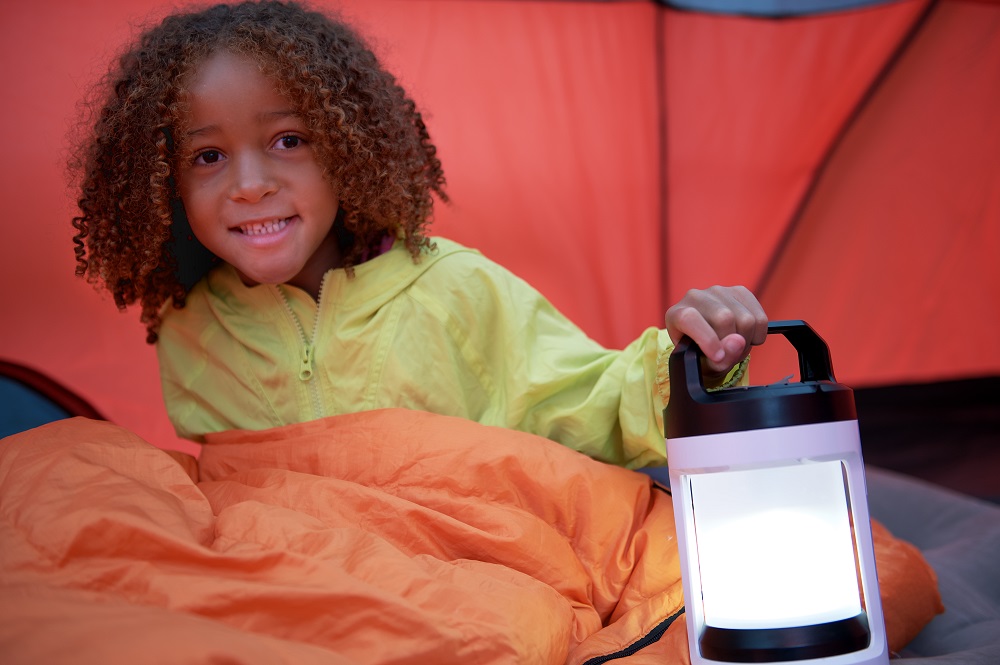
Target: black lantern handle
<point x="814" y="355"/>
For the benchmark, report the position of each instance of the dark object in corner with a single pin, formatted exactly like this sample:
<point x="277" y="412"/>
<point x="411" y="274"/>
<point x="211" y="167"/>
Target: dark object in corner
<point x="31" y="399"/>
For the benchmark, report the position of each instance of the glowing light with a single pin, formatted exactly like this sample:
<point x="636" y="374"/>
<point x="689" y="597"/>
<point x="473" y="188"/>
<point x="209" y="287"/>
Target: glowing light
<point x="775" y="547"/>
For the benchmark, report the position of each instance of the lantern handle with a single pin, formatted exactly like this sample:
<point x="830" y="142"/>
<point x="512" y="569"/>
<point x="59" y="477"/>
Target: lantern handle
<point x="814" y="355"/>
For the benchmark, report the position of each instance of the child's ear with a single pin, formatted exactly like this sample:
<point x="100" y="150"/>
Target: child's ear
<point x="193" y="259"/>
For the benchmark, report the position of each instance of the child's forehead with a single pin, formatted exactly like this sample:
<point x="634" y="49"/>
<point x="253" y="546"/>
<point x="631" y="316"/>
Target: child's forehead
<point x="230" y="85"/>
<point x="219" y="66"/>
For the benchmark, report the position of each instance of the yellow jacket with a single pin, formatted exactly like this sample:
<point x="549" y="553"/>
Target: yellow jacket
<point x="454" y="334"/>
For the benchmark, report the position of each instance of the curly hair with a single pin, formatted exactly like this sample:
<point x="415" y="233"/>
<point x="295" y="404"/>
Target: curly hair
<point x="367" y="135"/>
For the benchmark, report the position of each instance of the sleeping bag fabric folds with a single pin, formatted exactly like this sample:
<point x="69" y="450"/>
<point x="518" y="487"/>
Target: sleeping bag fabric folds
<point x="386" y="536"/>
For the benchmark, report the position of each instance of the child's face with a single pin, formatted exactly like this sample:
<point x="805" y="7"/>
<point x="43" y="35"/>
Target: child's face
<point x="252" y="188"/>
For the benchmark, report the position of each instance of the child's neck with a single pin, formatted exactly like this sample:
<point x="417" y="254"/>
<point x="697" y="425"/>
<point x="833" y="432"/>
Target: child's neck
<point x="326" y="257"/>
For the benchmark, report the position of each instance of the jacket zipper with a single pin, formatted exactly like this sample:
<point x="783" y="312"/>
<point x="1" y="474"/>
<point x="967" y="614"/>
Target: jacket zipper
<point x="307" y="359"/>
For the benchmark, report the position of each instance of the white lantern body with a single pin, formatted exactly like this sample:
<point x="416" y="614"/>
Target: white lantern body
<point x="772" y="524"/>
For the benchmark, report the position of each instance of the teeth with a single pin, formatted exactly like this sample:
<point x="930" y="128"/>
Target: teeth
<point x="264" y="228"/>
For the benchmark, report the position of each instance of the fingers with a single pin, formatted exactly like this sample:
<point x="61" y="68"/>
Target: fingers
<point x="686" y="318"/>
<point x="723" y="321"/>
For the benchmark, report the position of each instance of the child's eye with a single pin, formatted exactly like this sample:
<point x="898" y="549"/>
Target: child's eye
<point x="289" y="142"/>
<point x="208" y="157"/>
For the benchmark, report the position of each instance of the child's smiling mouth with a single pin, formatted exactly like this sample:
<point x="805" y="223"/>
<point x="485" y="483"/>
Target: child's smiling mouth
<point x="263" y="228"/>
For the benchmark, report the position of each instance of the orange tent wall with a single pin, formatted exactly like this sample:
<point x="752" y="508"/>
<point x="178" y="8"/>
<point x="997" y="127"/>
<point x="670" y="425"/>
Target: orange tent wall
<point x="847" y="168"/>
<point x="753" y="105"/>
<point x="613" y="154"/>
<point x="897" y="253"/>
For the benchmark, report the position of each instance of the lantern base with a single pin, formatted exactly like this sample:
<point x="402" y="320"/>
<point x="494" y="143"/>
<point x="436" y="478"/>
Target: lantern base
<point x="771" y="645"/>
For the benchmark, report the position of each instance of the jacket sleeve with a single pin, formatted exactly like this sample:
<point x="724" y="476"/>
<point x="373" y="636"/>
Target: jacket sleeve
<point x="603" y="402"/>
<point x="545" y="375"/>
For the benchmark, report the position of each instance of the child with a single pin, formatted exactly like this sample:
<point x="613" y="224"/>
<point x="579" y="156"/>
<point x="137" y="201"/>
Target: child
<point x="268" y="139"/>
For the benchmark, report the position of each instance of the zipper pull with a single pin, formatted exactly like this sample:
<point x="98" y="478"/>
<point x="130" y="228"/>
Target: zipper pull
<point x="306" y="364"/>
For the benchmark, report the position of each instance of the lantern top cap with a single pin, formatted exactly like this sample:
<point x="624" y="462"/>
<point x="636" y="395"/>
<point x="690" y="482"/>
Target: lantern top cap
<point x="816" y="398"/>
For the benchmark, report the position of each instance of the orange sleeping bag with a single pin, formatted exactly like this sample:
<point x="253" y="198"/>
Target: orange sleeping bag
<point x="381" y="537"/>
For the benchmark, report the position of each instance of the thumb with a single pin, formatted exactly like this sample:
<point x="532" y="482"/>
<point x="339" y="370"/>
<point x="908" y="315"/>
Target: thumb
<point x="734" y="348"/>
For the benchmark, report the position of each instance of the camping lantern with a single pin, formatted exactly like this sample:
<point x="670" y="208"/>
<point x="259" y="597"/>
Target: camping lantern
<point x="772" y="517"/>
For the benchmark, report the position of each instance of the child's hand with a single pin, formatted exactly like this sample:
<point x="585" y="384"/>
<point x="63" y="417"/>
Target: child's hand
<point x="724" y="321"/>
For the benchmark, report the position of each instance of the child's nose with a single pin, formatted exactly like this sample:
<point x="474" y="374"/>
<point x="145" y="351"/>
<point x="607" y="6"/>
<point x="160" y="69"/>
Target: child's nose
<point x="253" y="178"/>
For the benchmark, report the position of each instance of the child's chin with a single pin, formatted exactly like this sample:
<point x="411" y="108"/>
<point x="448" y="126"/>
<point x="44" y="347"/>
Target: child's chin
<point x="255" y="277"/>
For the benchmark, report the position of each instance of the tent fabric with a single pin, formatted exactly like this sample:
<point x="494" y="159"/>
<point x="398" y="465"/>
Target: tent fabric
<point x="602" y="149"/>
<point x="920" y="270"/>
<point x="746" y="130"/>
